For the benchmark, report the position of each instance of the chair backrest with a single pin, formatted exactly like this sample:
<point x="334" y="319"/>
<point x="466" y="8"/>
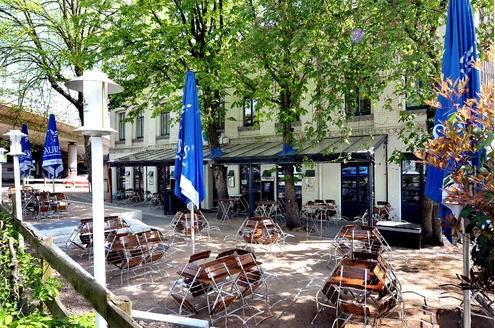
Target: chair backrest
<point x="232" y="251"/>
<point x="130" y="242"/>
<point x="358" y="309"/>
<point x="60" y="196"/>
<point x="44" y="197"/>
<point x="330" y="292"/>
<point x="365" y="255"/>
<point x="217" y="272"/>
<point x="199" y="256"/>
<point x="246" y="261"/>
<point x="153" y="236"/>
<point x="113" y="224"/>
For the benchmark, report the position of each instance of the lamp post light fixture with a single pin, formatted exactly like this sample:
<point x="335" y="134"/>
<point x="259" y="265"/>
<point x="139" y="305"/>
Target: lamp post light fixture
<point x="15" y="152"/>
<point x="95" y="87"/>
<point x="3" y="159"/>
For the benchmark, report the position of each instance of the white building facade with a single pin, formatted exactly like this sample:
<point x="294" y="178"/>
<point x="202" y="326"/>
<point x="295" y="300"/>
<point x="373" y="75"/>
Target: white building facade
<point x="142" y="154"/>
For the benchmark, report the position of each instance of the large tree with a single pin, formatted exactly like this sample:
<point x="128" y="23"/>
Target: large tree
<point x="151" y="44"/>
<point x="333" y="52"/>
<point x="48" y="41"/>
<point x="274" y="66"/>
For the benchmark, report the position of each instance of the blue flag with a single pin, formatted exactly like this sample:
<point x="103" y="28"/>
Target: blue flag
<point x="458" y="57"/>
<point x="51" y="161"/>
<point x="189" y="175"/>
<point x="26" y="160"/>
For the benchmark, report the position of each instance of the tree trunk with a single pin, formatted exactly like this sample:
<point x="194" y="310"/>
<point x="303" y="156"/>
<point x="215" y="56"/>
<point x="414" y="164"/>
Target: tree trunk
<point x="87" y="147"/>
<point x="292" y="209"/>
<point x="430" y="223"/>
<point x="16" y="289"/>
<point x="219" y="178"/>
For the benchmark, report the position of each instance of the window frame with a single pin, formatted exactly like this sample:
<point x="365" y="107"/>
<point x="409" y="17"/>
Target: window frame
<point x="121" y="124"/>
<point x="140" y="126"/>
<point x="357" y="101"/>
<point x="164" y="124"/>
<point x="418" y="83"/>
<point x="249" y="107"/>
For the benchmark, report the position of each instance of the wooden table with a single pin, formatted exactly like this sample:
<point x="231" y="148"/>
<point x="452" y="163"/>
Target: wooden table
<point x="315" y="215"/>
<point x="226" y="206"/>
<point x="259" y="230"/>
<point x="266" y="208"/>
<point x="200" y="274"/>
<point x="350" y="273"/>
<point x="182" y="222"/>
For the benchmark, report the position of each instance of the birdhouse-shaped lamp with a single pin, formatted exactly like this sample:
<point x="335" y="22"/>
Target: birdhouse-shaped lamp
<point x="15" y="142"/>
<point x="95" y="87"/>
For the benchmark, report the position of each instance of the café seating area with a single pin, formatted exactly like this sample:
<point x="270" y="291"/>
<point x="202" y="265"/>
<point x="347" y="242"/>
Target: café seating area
<point x="180" y="226"/>
<point x="362" y="286"/>
<point x="315" y="214"/>
<point x="131" y="253"/>
<point x="41" y="204"/>
<point x="82" y="235"/>
<point x="260" y="231"/>
<point x="136" y="253"/>
<point x="232" y="284"/>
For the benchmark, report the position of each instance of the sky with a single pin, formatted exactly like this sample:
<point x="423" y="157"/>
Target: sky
<point x="43" y="101"/>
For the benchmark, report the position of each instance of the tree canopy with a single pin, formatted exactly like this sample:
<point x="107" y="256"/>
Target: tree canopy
<point x="48" y="41"/>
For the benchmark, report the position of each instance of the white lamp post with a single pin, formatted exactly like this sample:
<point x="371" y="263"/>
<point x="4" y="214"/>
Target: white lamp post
<point x="3" y="159"/>
<point x="15" y="152"/>
<point x="95" y="87"/>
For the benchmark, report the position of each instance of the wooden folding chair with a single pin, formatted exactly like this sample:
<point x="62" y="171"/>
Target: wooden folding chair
<point x="155" y="250"/>
<point x="326" y="298"/>
<point x="133" y="255"/>
<point x="352" y="304"/>
<point x="185" y="286"/>
<point x="251" y="278"/>
<point x="224" y="297"/>
<point x="233" y="251"/>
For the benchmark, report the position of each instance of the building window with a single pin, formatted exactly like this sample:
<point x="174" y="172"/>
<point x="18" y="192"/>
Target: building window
<point x="121" y="117"/>
<point x="138" y="179"/>
<point x="140" y="126"/>
<point x="414" y="98"/>
<point x="249" y="111"/>
<point x="220" y="115"/>
<point x="357" y="103"/>
<point x="164" y="124"/>
<point x="121" y="179"/>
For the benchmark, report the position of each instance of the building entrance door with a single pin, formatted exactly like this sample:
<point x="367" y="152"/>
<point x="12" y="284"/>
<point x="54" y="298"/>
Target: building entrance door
<point x="355" y="198"/>
<point x="412" y="190"/>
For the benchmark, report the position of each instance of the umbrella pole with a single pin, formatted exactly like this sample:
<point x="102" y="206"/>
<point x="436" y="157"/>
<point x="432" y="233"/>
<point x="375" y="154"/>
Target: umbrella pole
<point x="53" y="184"/>
<point x="466" y="268"/>
<point x="192" y="226"/>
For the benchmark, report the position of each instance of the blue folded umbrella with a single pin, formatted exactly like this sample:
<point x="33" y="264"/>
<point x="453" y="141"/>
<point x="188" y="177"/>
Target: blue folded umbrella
<point x="26" y="160"/>
<point x="51" y="161"/>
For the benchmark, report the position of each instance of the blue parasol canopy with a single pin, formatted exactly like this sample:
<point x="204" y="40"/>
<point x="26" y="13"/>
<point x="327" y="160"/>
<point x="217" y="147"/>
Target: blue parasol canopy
<point x="189" y="175"/>
<point x="459" y="55"/>
<point x="26" y="160"/>
<point x="51" y="161"/>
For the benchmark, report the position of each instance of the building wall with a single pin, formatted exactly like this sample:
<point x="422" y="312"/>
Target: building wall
<point x="326" y="183"/>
